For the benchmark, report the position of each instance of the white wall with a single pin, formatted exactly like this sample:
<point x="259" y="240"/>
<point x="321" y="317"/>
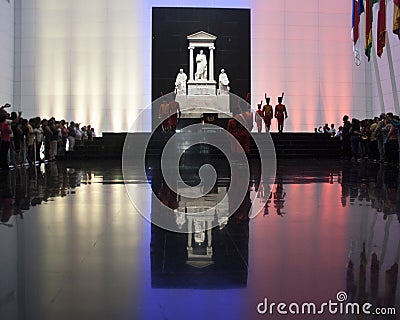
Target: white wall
<point x="90" y="61"/>
<point x="6" y="52"/>
<point x="83" y="61"/>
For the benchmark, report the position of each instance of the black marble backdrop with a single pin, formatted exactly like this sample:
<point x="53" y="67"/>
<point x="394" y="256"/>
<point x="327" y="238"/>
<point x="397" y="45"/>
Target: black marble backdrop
<point x="171" y="26"/>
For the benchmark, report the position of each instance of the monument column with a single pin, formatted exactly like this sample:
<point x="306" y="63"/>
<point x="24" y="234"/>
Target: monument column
<point x="211" y="72"/>
<point x="191" y="73"/>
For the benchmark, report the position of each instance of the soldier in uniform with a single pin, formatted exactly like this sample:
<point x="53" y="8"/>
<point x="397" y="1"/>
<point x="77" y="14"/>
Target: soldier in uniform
<point x="259" y="117"/>
<point x="175" y="112"/>
<point x="280" y="113"/>
<point x="163" y="115"/>
<point x="268" y="113"/>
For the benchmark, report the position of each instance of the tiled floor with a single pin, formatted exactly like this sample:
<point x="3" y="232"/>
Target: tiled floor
<point x="72" y="246"/>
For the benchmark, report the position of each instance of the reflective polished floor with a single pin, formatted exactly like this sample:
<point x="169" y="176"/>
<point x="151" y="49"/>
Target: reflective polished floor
<point x="72" y="245"/>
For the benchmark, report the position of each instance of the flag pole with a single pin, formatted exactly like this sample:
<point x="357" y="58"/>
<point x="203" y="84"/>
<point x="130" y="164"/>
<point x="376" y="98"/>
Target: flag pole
<point x="392" y="76"/>
<point x="378" y="77"/>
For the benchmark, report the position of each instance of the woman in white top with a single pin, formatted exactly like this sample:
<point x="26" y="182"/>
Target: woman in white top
<point x="78" y="135"/>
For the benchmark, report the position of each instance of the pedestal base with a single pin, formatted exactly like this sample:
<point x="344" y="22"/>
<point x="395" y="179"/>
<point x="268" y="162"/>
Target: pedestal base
<point x="202" y="87"/>
<point x="195" y="106"/>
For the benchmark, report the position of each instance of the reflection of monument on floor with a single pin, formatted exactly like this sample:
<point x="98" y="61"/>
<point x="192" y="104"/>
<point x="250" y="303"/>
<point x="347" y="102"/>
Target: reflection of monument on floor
<point x="201" y="87"/>
<point x="213" y="258"/>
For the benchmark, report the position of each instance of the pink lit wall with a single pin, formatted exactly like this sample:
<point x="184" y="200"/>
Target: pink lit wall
<point x="303" y="48"/>
<point x="91" y="61"/>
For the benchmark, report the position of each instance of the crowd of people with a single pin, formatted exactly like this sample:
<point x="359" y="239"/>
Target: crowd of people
<point x="331" y="130"/>
<point x="26" y="141"/>
<point x="374" y="139"/>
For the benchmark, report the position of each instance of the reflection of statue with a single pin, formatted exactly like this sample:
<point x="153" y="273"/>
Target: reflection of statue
<point x="199" y="235"/>
<point x="223" y="83"/>
<point x="180" y="83"/>
<point x="201" y="60"/>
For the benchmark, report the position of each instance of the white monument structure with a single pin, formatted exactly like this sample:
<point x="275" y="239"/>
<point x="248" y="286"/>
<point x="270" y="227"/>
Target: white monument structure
<point x="201" y="87"/>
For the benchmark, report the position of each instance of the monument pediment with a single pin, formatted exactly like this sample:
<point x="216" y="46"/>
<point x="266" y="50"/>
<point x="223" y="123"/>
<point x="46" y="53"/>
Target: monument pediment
<point x="201" y="36"/>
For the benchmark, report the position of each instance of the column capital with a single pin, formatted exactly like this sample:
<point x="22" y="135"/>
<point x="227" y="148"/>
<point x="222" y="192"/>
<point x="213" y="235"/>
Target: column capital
<point x="191" y="48"/>
<point x="211" y="48"/>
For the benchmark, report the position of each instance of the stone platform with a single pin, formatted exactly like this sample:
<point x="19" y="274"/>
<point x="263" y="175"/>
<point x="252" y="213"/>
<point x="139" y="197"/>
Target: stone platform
<point x="195" y="106"/>
<point x="287" y="145"/>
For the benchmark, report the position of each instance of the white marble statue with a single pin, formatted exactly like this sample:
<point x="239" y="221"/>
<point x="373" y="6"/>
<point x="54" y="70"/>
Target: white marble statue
<point x="201" y="72"/>
<point x="223" y="82"/>
<point x="180" y="83"/>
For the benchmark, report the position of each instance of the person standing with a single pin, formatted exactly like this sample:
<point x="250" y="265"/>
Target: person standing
<point x="64" y="136"/>
<point x="89" y="132"/>
<point x="259" y="118"/>
<point x="392" y="144"/>
<point x="280" y="113"/>
<point x="163" y="115"/>
<point x="248" y="116"/>
<point x="47" y="137"/>
<point x="53" y="139"/>
<point x="346" y="146"/>
<point x="379" y="137"/>
<point x="332" y="130"/>
<point x="175" y="112"/>
<point x="233" y="129"/>
<point x="395" y="121"/>
<point x="71" y="136"/>
<point x="78" y="134"/>
<point x="6" y="132"/>
<point x="239" y="131"/>
<point x="15" y="146"/>
<point x="30" y="140"/>
<point x="373" y="152"/>
<point x="39" y="137"/>
<point x="326" y="129"/>
<point x="268" y="113"/>
<point x="244" y="126"/>
<point x="355" y="133"/>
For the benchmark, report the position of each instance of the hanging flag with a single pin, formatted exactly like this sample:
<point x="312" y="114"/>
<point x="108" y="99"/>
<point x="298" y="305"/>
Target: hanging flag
<point x="355" y="22"/>
<point x="396" y="17"/>
<point x="381" y="32"/>
<point x="358" y="9"/>
<point x="368" y="28"/>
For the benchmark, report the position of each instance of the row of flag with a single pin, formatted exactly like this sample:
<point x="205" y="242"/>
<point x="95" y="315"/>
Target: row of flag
<point x="358" y="10"/>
